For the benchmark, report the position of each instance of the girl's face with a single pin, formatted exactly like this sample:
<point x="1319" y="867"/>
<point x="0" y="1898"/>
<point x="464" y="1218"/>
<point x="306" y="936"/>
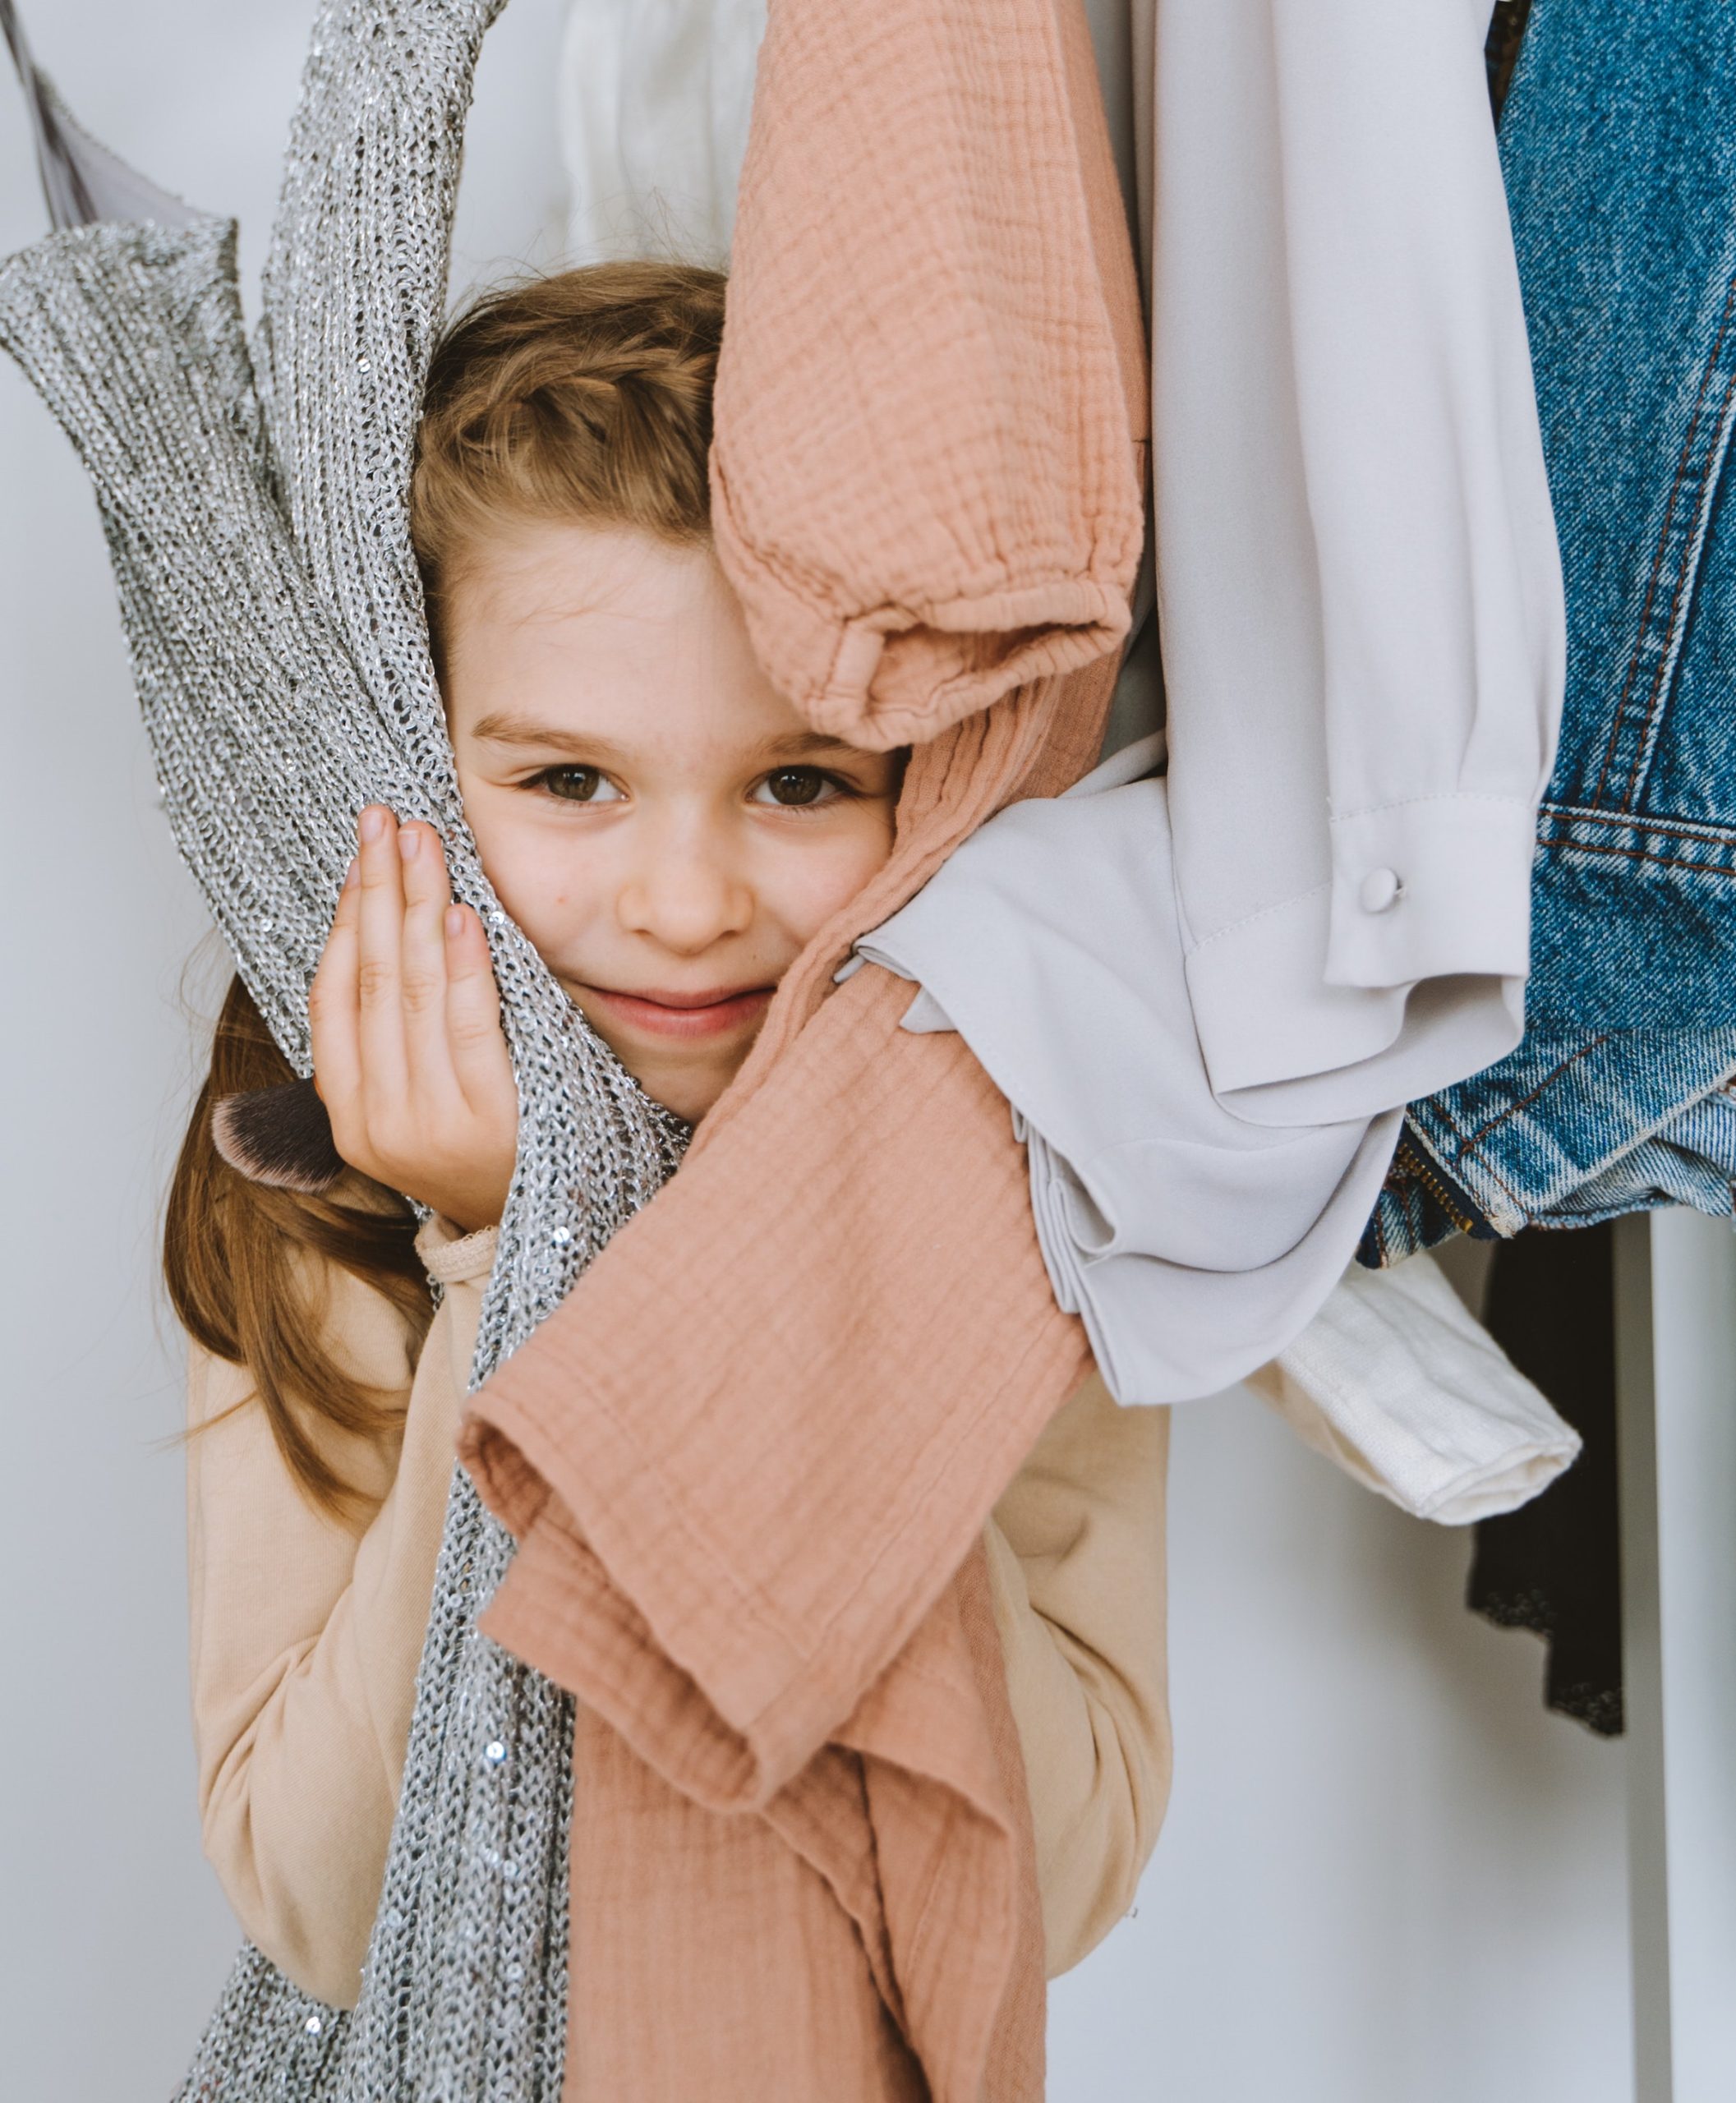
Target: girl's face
<point x="664" y="826"/>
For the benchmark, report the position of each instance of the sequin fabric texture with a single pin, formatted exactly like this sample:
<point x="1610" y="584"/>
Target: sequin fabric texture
<point x="255" y="507"/>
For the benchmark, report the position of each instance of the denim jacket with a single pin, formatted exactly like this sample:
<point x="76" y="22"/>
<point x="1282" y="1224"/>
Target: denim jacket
<point x="1619" y="149"/>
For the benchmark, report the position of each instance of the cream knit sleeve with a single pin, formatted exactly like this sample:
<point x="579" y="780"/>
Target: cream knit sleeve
<point x="307" y="1632"/>
<point x="1076" y="1564"/>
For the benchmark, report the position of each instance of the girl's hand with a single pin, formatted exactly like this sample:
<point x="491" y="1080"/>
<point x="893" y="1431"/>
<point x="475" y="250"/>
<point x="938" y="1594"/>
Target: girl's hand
<point x="409" y="1056"/>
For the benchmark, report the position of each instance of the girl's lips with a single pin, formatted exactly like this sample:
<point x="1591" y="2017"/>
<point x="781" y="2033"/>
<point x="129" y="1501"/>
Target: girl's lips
<point x="682" y="1016"/>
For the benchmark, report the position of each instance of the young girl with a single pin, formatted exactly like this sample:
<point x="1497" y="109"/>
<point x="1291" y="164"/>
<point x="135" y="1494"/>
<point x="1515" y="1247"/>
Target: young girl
<point x="669" y="833"/>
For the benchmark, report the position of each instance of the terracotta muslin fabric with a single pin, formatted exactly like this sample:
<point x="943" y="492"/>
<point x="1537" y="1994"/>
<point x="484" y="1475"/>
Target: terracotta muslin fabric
<point x="750" y="1460"/>
<point x="912" y="225"/>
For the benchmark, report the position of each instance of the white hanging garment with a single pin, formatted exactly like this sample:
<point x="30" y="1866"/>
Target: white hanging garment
<point x="1358" y="583"/>
<point x="655" y="97"/>
<point x="1396" y="1381"/>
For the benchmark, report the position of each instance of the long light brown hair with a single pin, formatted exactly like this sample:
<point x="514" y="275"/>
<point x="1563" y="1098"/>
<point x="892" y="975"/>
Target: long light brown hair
<point x="586" y="396"/>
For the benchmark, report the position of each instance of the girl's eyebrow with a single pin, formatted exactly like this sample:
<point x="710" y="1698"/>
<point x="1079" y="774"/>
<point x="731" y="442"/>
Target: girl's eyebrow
<point x="810" y="744"/>
<point x="502" y="727"/>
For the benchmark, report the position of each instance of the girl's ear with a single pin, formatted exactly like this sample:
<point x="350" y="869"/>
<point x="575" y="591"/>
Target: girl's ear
<point x="279" y="1136"/>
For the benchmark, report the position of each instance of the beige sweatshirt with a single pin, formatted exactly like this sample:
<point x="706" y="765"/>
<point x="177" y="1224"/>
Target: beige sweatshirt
<point x="307" y="1632"/>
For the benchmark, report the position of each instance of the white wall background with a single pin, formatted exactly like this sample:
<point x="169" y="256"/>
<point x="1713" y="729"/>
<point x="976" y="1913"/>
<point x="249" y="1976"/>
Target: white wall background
<point x="1388" y="1876"/>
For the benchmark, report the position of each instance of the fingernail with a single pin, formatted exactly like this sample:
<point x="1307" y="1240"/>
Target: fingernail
<point x="352" y="876"/>
<point x="373" y="822"/>
<point x="454" y="922"/>
<point x="409" y="842"/>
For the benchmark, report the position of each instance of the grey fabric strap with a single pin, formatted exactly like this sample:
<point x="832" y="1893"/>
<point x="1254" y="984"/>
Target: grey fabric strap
<point x="82" y="181"/>
<point x="255" y="507"/>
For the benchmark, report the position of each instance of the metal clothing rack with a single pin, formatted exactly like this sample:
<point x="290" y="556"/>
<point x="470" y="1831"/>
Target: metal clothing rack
<point x="1675" y="1300"/>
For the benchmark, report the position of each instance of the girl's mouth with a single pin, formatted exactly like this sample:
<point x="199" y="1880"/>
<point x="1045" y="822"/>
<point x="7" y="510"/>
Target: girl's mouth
<point x="669" y="1013"/>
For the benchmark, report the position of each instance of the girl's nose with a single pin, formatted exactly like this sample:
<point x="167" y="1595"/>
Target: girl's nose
<point x="685" y="895"/>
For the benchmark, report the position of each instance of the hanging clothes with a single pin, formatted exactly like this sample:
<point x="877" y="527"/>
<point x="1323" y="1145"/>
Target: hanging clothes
<point x="801" y="1690"/>
<point x="654" y="114"/>
<point x="1501" y="49"/>
<point x="654" y="110"/>
<point x="654" y="105"/>
<point x="1359" y="590"/>
<point x="1195" y="1244"/>
<point x="1210" y="1275"/>
<point x="1555" y="1568"/>
<point x="1412" y="1397"/>
<point x="747" y="1534"/>
<point x="1618" y="143"/>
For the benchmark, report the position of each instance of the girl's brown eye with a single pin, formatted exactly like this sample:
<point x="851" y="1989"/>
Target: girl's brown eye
<point x="578" y="785"/>
<point x="795" y="785"/>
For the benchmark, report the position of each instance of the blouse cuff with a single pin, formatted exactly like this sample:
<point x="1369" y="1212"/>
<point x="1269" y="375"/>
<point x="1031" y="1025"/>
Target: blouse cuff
<point x="452" y="1257"/>
<point x="1400" y="976"/>
<point x="1432" y="889"/>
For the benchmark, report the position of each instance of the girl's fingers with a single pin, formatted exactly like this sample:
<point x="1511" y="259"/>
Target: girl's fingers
<point x="408" y="1048"/>
<point x="332" y="1005"/>
<point x="427" y="894"/>
<point x="479" y="1058"/>
<point x="379" y="967"/>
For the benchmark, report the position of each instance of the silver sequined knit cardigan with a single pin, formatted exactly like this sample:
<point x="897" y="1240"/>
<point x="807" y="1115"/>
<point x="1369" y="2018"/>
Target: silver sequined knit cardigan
<point x="257" y="513"/>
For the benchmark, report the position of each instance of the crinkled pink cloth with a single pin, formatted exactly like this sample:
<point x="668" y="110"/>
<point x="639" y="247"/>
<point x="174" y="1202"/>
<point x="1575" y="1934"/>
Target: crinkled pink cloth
<point x="750" y="1460"/>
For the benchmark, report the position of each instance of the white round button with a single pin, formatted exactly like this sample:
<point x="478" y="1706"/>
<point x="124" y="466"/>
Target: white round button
<point x="1381" y="888"/>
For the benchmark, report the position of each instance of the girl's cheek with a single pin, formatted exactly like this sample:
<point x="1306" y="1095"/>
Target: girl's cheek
<point x="535" y="880"/>
<point x="816" y="884"/>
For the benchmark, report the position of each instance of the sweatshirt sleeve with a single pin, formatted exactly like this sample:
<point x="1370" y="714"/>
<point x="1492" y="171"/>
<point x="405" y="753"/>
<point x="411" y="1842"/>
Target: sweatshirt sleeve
<point x="1076" y="1570"/>
<point x="306" y="1631"/>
